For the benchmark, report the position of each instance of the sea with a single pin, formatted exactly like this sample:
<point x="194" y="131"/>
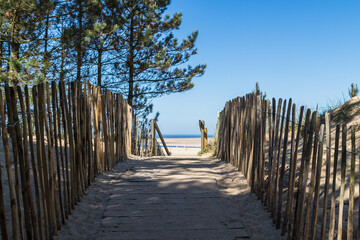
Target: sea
<point x="184" y="136"/>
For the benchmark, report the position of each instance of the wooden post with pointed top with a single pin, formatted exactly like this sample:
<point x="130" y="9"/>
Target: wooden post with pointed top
<point x="203" y="131"/>
<point x="205" y="139"/>
<point x="153" y="139"/>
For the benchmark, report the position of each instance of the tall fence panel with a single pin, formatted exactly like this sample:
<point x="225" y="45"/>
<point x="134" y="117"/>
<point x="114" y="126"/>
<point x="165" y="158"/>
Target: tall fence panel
<point x="56" y="138"/>
<point x="301" y="165"/>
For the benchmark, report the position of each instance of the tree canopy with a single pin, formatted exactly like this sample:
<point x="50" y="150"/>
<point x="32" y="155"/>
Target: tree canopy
<point x="128" y="46"/>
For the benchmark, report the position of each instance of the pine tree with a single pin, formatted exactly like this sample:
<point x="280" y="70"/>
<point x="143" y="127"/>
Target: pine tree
<point x="150" y="58"/>
<point x="21" y="29"/>
<point x="106" y="19"/>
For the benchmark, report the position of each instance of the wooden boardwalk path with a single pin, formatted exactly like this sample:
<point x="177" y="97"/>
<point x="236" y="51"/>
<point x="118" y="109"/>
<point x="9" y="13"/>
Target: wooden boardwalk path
<point x="169" y="198"/>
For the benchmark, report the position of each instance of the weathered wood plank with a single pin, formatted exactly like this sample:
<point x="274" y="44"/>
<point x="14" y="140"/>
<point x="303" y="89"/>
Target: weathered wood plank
<point x="342" y="186"/>
<point x="333" y="186"/>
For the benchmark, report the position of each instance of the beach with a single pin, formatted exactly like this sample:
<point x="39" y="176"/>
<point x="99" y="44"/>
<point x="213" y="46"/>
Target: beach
<point x="184" y="146"/>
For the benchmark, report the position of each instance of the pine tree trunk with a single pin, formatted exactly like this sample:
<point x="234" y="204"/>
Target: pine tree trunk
<point x="9" y="53"/>
<point x="46" y="44"/>
<point x="15" y="47"/>
<point x="131" y="63"/>
<point x="62" y="64"/>
<point x="99" y="75"/>
<point x="79" y="45"/>
<point x="1" y="54"/>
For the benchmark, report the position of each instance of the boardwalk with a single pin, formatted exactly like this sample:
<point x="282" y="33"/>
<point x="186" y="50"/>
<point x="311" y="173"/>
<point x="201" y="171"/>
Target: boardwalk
<point x="169" y="198"/>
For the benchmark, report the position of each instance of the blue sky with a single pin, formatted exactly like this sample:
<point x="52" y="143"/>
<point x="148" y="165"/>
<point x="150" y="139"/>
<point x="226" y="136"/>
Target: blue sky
<point x="307" y="50"/>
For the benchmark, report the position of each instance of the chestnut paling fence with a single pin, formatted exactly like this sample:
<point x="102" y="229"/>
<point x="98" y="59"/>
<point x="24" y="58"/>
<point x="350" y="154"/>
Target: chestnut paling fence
<point x="56" y="138"/>
<point x="144" y="139"/>
<point x="302" y="166"/>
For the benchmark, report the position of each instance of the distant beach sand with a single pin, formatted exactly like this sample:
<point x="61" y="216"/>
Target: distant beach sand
<point x="184" y="146"/>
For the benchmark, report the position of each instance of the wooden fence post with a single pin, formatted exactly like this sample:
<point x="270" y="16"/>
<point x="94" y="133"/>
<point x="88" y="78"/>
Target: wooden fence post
<point x="153" y="138"/>
<point x="162" y="139"/>
<point x="342" y="186"/>
<point x="4" y="231"/>
<point x="328" y="169"/>
<point x="202" y="126"/>
<point x="205" y="139"/>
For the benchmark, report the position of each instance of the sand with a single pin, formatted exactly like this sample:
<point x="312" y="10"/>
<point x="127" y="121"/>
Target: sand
<point x="184" y="146"/>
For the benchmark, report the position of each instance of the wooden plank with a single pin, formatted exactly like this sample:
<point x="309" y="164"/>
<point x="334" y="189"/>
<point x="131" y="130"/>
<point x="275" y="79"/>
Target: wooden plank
<point x="111" y="128"/>
<point x="122" y="128"/>
<point x="63" y="162"/>
<point x="277" y="170"/>
<point x="97" y="117"/>
<point x="81" y="138"/>
<point x="350" y="222"/>
<point x="283" y="162"/>
<point x="333" y="186"/>
<point x="63" y="103"/>
<point x="263" y="146"/>
<point x="26" y="166"/>
<point x="315" y="208"/>
<point x="312" y="179"/>
<point x="14" y="225"/>
<point x="75" y="118"/>
<point x="40" y="159"/>
<point x="251" y="140"/>
<point x="202" y="125"/>
<point x="57" y="154"/>
<point x="224" y="144"/>
<point x="242" y="135"/>
<point x="153" y="137"/>
<point x="256" y="146"/>
<point x="275" y="137"/>
<point x="3" y="226"/>
<point x="118" y="128"/>
<point x="342" y="186"/>
<point x="129" y="116"/>
<point x="327" y="177"/>
<point x="89" y="140"/>
<point x="293" y="164"/>
<point x="11" y="120"/>
<point x="36" y="177"/>
<point x="51" y="159"/>
<point x="69" y="118"/>
<point x="271" y="116"/>
<point x="105" y="130"/>
<point x="303" y="174"/>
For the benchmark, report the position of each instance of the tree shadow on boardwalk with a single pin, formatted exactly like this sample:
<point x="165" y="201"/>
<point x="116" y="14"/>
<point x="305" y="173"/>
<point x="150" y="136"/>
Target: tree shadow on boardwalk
<point x="170" y="198"/>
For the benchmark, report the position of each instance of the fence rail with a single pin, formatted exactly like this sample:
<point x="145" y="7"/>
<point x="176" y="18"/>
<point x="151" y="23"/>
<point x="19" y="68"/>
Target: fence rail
<point x="295" y="165"/>
<point x="64" y="135"/>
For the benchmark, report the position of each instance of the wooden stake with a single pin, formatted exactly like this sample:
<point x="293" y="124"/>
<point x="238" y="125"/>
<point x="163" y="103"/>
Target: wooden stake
<point x="4" y="231"/>
<point x="40" y="160"/>
<point x="328" y="168"/>
<point x="333" y="189"/>
<point x="342" y="188"/>
<point x="282" y="171"/>
<point x="350" y="222"/>
<point x="12" y="122"/>
<point x="26" y="166"/>
<point x="312" y="180"/>
<point x="315" y="210"/>
<point x="54" y="126"/>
